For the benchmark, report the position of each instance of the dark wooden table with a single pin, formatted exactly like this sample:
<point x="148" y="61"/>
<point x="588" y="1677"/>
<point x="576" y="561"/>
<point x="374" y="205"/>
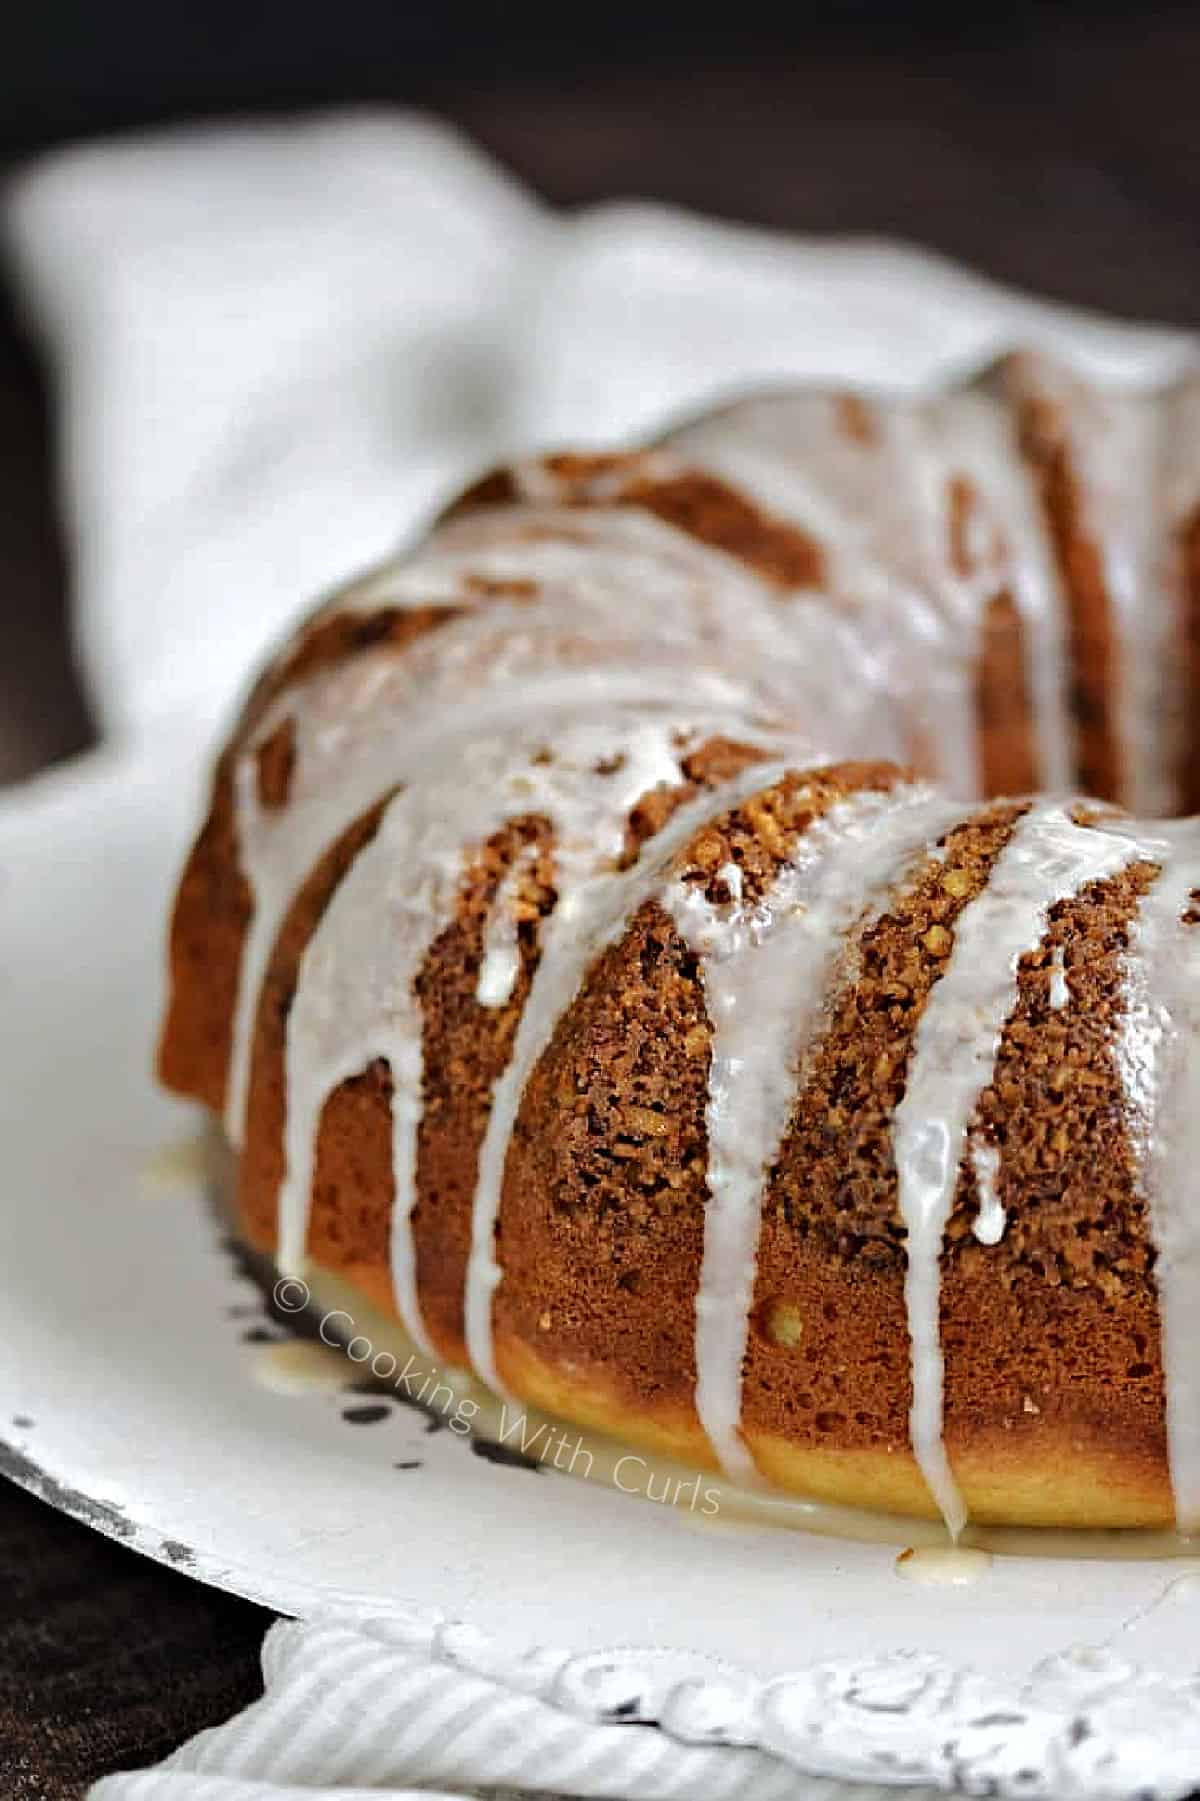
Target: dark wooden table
<point x="1063" y="155"/>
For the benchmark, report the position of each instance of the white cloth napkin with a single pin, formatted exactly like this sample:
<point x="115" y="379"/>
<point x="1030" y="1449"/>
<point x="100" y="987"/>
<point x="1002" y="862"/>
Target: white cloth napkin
<point x="351" y="1710"/>
<point x="275" y="350"/>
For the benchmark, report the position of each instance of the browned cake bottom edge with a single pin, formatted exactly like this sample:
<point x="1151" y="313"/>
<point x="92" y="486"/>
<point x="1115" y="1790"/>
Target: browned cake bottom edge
<point x="1022" y="1478"/>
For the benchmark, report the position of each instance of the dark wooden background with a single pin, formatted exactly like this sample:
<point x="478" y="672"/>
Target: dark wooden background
<point x="1056" y="147"/>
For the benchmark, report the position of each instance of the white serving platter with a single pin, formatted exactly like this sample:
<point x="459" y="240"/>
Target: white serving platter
<point x="130" y="1390"/>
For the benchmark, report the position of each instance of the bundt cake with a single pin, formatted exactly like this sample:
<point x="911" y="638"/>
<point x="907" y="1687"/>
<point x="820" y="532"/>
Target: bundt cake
<point x="612" y="951"/>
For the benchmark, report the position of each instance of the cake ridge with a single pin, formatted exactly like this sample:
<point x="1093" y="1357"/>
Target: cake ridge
<point x="571" y="942"/>
<point x="1161" y="1074"/>
<point x="772" y="961"/>
<point x="1048" y="858"/>
<point x="1102" y="458"/>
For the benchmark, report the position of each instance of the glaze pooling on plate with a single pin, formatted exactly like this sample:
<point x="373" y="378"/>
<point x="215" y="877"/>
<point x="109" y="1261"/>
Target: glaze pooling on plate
<point x="378" y="1359"/>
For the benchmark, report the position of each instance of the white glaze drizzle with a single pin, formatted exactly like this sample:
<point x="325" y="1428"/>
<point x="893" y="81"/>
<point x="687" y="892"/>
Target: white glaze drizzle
<point x="705" y="631"/>
<point x="1046" y="859"/>
<point x="343" y="767"/>
<point x="572" y="938"/>
<point x="1060" y="988"/>
<point x="877" y="503"/>
<point x="1157" y="1054"/>
<point x="500" y="964"/>
<point x="766" y="966"/>
<point x="991" y="1219"/>
<point x="971" y="434"/>
<point x="355" y="997"/>
<point x="621" y="575"/>
<point x="1118" y="449"/>
<point x="341" y="770"/>
<point x="858" y="495"/>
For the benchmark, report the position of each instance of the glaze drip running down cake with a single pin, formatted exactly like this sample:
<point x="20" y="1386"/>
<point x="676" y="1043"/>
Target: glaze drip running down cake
<point x="615" y="948"/>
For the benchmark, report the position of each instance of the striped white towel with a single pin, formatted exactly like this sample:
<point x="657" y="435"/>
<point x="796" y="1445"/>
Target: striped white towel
<point x="351" y="1710"/>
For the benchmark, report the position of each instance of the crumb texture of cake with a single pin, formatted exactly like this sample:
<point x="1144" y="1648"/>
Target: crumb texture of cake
<point x="710" y="940"/>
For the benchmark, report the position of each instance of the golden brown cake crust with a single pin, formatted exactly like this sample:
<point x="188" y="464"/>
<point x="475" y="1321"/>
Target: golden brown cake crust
<point x="602" y="1223"/>
<point x="1054" y="1389"/>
